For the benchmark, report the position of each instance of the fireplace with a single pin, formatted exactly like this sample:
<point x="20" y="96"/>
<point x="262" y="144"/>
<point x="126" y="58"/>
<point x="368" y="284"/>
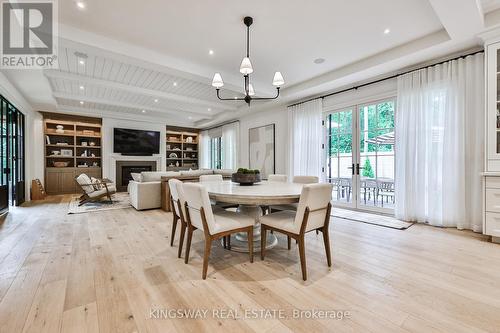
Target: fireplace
<point x="124" y="169"/>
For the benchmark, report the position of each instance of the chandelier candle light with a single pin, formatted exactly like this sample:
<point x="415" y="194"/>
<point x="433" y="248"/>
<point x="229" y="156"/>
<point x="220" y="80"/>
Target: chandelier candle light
<point x="246" y="69"/>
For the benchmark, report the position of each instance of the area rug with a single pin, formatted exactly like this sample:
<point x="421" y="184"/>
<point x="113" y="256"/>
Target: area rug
<point x="120" y="201"/>
<point x="376" y="219"/>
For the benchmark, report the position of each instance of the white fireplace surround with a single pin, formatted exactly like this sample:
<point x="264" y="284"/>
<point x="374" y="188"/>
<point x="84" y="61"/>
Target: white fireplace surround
<point x="111" y="172"/>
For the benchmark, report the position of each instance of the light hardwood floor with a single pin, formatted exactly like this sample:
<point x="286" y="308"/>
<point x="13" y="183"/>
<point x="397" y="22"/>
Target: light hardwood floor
<point x="103" y="272"/>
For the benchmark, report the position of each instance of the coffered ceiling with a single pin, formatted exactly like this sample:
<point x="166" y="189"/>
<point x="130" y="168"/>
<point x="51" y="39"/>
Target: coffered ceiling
<point x="151" y="61"/>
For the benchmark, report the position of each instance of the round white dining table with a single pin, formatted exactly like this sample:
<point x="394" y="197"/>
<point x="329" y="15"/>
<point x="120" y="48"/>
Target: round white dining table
<point x="250" y="200"/>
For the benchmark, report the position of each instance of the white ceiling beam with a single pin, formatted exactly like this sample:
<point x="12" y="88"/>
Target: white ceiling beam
<point x="51" y="73"/>
<point x="127" y="52"/>
<point x="462" y="19"/>
<point x="139" y="107"/>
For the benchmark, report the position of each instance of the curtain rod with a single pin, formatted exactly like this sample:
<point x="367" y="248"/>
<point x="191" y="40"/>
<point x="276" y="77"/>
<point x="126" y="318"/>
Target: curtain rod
<point x="220" y="125"/>
<point x="386" y="78"/>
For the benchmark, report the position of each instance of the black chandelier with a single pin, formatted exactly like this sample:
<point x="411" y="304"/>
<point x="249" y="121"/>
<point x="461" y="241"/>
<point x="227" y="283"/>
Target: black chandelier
<point x="246" y="69"/>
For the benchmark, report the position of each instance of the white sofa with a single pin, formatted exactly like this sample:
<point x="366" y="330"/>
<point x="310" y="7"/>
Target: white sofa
<point x="145" y="189"/>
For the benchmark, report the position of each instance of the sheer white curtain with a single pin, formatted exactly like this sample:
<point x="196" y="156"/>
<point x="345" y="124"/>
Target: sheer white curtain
<point x="305" y="138"/>
<point x="440" y="144"/>
<point x="204" y="154"/>
<point x="230" y="140"/>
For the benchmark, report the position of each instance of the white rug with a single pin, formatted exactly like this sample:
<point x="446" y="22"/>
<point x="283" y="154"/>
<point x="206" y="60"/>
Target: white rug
<point x="121" y="200"/>
<point x="381" y="220"/>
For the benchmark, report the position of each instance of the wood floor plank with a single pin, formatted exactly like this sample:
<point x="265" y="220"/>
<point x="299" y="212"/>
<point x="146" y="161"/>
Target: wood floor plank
<point x="106" y="271"/>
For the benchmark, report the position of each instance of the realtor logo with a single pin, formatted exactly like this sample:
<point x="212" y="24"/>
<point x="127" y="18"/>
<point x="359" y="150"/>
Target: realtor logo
<point x="29" y="34"/>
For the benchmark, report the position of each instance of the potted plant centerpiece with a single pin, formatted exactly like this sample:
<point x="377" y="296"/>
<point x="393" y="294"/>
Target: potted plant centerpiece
<point x="246" y="177"/>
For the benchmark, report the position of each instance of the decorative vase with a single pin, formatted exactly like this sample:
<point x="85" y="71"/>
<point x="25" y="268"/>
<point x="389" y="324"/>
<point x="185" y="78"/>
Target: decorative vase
<point x="60" y="129"/>
<point x="245" y="179"/>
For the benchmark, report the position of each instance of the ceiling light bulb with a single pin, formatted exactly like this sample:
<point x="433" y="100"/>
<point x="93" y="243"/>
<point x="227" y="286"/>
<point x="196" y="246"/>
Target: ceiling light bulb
<point x="211" y="52"/>
<point x="246" y="66"/>
<point x="387" y="31"/>
<point x="217" y="81"/>
<point x="278" y="79"/>
<point x="251" y="92"/>
<point x="81" y="62"/>
<point x="175" y="84"/>
<point x="209" y="109"/>
<point x="82" y="88"/>
<point x="80" y="4"/>
<point x="156" y="100"/>
<point x="190" y="117"/>
<point x="81" y="102"/>
<point x="143" y="111"/>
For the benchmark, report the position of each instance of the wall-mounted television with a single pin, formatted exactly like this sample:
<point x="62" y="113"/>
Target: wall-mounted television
<point x="136" y="142"/>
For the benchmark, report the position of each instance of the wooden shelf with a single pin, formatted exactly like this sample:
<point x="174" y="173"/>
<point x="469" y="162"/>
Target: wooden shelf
<point x="91" y="147"/>
<point x="89" y="158"/>
<point x="59" y="134"/>
<point x="59" y="146"/>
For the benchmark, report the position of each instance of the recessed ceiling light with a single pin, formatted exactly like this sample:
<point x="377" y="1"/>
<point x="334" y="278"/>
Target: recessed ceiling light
<point x="156" y="100"/>
<point x="81" y="5"/>
<point x="175" y="84"/>
<point x="190" y="118"/>
<point x="81" y="102"/>
<point x="387" y="31"/>
<point x="318" y="61"/>
<point x="143" y="111"/>
<point x="209" y="109"/>
<point x="211" y="52"/>
<point x="82" y="88"/>
<point x="81" y="62"/>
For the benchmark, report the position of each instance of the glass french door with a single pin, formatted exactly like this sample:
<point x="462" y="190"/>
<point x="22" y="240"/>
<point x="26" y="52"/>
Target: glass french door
<point x="12" y="168"/>
<point x="360" y="156"/>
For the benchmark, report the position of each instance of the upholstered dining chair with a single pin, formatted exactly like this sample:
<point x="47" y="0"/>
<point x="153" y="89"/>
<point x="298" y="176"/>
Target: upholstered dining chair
<point x="277" y="178"/>
<point x="211" y="178"/>
<point x="313" y="213"/>
<point x="178" y="214"/>
<point x="199" y="215"/>
<point x="297" y="180"/>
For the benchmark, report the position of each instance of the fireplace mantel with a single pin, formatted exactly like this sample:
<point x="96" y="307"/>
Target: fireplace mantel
<point x="115" y="158"/>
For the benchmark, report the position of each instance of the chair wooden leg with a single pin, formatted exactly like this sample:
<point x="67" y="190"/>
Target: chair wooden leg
<point x="174" y="226"/>
<point x="188" y="244"/>
<point x="326" y="239"/>
<point x="229" y="242"/>
<point x="317" y="232"/>
<point x="263" y="234"/>
<point x="302" y="252"/>
<point x="181" y="239"/>
<point x="250" y="243"/>
<point x="208" y="245"/>
<point x="289" y="241"/>
<point x="224" y="242"/>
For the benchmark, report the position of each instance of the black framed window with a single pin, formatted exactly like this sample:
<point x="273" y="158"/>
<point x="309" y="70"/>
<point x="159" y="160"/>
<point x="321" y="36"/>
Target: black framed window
<point x="12" y="155"/>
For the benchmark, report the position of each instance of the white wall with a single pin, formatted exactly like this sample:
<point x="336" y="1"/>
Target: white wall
<point x="33" y="133"/>
<point x="109" y="158"/>
<point x="280" y="119"/>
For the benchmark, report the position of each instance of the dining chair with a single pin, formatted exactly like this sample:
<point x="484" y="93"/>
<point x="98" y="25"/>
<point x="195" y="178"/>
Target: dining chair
<point x="178" y="213"/>
<point x="296" y="180"/>
<point x="313" y="213"/>
<point x="199" y="215"/>
<point x="211" y="178"/>
<point x="277" y="178"/>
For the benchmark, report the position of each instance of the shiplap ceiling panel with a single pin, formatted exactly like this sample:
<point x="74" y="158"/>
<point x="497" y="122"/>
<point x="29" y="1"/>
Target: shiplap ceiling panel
<point x="112" y="80"/>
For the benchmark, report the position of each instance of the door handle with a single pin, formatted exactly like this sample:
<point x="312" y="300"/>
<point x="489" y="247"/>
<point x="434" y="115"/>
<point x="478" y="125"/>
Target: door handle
<point x="352" y="168"/>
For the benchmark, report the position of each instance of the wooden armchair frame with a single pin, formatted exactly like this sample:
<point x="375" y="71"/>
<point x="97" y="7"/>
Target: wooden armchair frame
<point x="84" y="198"/>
